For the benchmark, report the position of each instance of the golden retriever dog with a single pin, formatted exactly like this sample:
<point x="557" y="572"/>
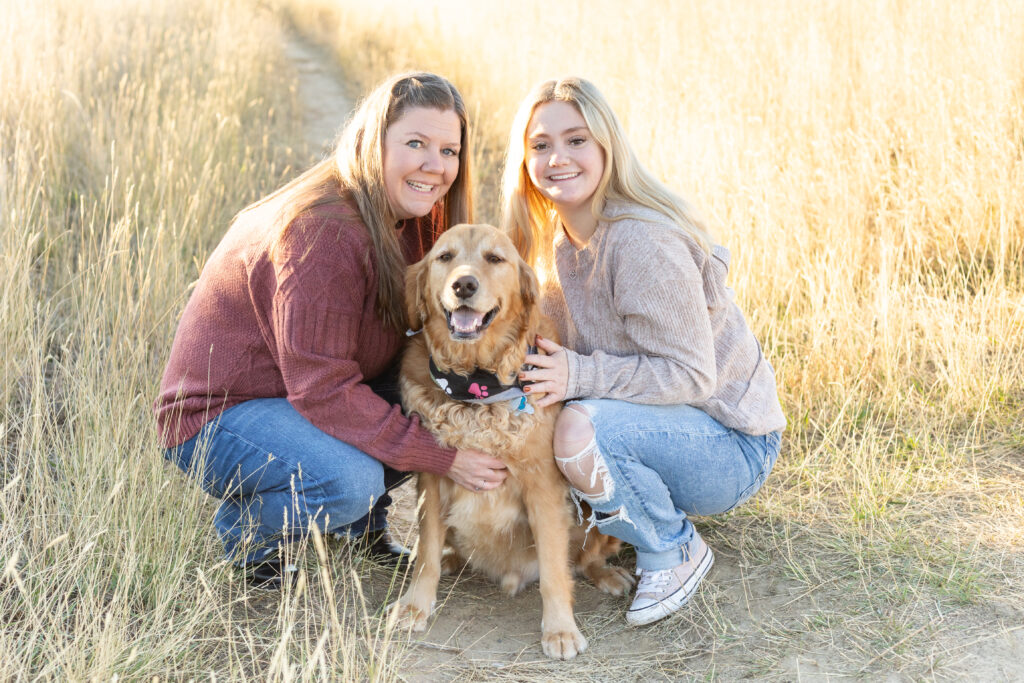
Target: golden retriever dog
<point x="475" y="300"/>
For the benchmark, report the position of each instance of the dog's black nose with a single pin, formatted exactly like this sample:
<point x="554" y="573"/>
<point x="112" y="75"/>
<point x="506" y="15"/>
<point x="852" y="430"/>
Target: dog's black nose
<point x="465" y="286"/>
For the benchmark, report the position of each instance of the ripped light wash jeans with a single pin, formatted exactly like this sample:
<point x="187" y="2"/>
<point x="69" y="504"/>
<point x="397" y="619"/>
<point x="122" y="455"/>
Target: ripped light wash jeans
<point x="663" y="464"/>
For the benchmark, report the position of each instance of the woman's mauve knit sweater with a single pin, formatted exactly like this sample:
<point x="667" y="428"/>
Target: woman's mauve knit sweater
<point x="295" y="316"/>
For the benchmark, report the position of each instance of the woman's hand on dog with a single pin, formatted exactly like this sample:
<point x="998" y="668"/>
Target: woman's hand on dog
<point x="550" y="376"/>
<point x="476" y="470"/>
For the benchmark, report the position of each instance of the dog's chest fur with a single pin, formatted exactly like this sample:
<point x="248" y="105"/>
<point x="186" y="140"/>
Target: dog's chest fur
<point x="494" y="428"/>
<point x="497" y="514"/>
<point x="490" y="529"/>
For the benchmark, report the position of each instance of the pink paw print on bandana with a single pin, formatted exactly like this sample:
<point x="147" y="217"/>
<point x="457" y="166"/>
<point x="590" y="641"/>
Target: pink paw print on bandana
<point x="478" y="390"/>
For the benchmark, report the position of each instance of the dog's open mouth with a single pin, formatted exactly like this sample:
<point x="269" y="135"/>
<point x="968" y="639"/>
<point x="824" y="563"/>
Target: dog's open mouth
<point x="467" y="323"/>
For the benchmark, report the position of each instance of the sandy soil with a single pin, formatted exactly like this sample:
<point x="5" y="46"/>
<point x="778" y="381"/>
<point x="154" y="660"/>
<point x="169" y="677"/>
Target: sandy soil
<point x="758" y="614"/>
<point x="326" y="105"/>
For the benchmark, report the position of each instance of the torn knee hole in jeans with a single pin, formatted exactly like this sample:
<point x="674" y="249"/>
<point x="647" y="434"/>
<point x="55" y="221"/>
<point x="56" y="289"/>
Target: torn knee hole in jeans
<point x="587" y="466"/>
<point x="597" y="518"/>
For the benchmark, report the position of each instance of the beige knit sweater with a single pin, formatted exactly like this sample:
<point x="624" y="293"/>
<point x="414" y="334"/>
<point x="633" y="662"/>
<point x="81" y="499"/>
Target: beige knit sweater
<point x="648" y="318"/>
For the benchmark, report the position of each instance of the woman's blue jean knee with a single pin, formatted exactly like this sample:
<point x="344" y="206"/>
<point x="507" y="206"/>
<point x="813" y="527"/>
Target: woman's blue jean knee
<point x="277" y="475"/>
<point x="664" y="463"/>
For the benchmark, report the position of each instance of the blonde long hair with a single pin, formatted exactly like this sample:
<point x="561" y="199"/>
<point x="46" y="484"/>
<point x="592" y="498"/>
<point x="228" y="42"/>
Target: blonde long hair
<point x="530" y="219"/>
<point x="355" y="171"/>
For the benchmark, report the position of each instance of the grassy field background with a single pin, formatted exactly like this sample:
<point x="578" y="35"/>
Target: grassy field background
<point x="862" y="161"/>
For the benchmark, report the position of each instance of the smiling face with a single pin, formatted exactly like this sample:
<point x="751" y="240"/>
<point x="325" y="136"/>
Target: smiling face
<point x="471" y="285"/>
<point x="421" y="159"/>
<point x="473" y="273"/>
<point x="563" y="160"/>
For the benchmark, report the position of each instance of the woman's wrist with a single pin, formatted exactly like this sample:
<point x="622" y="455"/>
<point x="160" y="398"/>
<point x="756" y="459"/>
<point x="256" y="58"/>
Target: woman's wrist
<point x="572" y="388"/>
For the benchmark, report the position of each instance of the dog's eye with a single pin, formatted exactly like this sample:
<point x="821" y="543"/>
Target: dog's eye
<point x="445" y="257"/>
<point x="494" y="258"/>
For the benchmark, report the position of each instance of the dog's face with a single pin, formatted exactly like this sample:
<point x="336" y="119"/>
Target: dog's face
<point x="472" y="284"/>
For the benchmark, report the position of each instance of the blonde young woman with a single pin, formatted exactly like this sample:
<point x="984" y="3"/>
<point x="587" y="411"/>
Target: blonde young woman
<point x="672" y="409"/>
<point x="277" y="397"/>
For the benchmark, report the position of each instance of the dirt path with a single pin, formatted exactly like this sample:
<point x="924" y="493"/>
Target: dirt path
<point x="757" y="616"/>
<point x="325" y="103"/>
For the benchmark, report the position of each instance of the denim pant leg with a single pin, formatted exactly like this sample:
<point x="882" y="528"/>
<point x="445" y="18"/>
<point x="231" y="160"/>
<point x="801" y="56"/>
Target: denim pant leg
<point x="276" y="474"/>
<point x="667" y="462"/>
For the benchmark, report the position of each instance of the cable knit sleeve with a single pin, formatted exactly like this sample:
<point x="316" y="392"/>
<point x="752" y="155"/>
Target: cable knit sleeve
<point x="322" y="307"/>
<point x="658" y="294"/>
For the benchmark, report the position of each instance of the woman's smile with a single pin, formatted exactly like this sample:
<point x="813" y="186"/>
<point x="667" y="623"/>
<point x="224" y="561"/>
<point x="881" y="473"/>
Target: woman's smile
<point x="421" y="159"/>
<point x="565" y="162"/>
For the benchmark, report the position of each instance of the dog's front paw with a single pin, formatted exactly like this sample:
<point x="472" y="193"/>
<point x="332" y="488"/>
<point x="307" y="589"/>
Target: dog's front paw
<point x="612" y="580"/>
<point x="411" y="616"/>
<point x="563" y="644"/>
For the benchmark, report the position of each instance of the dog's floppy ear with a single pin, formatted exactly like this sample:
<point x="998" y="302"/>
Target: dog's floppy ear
<point x="529" y="287"/>
<point x="529" y="292"/>
<point x="415" y="283"/>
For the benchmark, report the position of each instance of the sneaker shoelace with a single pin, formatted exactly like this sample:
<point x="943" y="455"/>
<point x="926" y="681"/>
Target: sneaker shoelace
<point x="653" y="581"/>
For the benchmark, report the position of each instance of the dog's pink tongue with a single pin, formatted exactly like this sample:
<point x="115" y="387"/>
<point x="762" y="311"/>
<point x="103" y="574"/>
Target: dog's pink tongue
<point x="465" y="319"/>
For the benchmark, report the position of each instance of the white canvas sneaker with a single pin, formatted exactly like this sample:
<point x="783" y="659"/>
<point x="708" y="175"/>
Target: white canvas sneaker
<point x="661" y="592"/>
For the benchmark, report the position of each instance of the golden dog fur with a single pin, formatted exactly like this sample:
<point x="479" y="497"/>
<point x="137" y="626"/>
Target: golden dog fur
<point x="523" y="530"/>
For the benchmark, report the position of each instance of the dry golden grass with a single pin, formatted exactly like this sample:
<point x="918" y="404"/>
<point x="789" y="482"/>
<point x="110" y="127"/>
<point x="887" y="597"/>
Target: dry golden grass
<point x="130" y="133"/>
<point x="863" y="162"/>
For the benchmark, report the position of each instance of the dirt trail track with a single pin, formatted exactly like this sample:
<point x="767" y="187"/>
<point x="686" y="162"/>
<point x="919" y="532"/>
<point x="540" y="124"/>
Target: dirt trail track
<point x="325" y="103"/>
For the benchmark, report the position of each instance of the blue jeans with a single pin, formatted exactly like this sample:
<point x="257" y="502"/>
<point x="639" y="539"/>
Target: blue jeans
<point x="277" y="474"/>
<point x="664" y="463"/>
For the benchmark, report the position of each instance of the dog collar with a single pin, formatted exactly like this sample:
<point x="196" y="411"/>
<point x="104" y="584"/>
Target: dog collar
<point x="482" y="387"/>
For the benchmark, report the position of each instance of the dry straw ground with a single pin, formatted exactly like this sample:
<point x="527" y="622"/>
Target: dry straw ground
<point x="863" y="162"/>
